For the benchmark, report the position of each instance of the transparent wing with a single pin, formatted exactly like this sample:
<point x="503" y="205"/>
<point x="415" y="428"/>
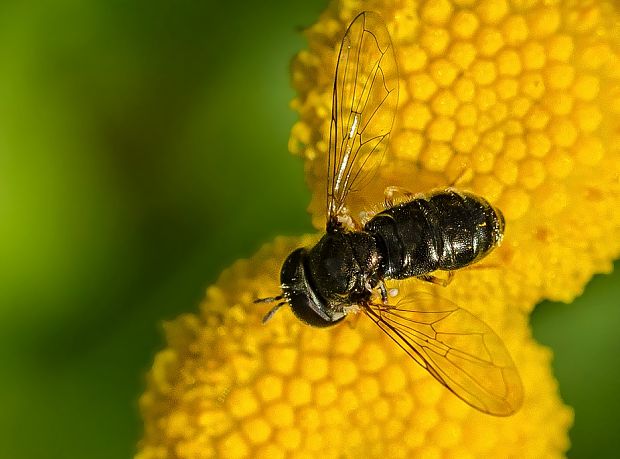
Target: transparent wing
<point x="458" y="349"/>
<point x="364" y="103"/>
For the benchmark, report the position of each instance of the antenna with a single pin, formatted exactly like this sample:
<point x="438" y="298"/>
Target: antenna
<point x="272" y="311"/>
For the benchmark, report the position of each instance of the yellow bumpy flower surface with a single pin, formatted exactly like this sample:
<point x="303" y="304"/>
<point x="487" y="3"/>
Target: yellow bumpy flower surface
<point x="229" y="387"/>
<point x="517" y="101"/>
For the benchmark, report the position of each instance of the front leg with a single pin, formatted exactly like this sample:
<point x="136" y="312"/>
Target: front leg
<point x="384" y="292"/>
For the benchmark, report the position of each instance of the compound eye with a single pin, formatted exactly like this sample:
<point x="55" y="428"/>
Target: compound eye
<point x="299" y="293"/>
<point x="304" y="309"/>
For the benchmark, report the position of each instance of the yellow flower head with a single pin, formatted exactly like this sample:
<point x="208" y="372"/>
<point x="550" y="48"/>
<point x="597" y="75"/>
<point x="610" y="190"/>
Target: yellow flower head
<point x="228" y="386"/>
<point x="519" y="101"/>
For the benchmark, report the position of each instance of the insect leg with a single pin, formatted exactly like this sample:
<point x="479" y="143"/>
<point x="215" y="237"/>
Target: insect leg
<point x="437" y="280"/>
<point x="384" y="292"/>
<point x="463" y="176"/>
<point x="390" y="191"/>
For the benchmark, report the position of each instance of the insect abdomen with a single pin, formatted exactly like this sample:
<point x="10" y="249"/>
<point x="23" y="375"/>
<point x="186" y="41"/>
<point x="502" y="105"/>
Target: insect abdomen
<point x="445" y="230"/>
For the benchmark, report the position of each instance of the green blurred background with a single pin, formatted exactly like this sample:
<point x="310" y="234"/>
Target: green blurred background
<point x="143" y="148"/>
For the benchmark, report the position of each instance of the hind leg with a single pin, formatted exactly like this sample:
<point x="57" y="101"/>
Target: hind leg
<point x="391" y="191"/>
<point x="437" y="280"/>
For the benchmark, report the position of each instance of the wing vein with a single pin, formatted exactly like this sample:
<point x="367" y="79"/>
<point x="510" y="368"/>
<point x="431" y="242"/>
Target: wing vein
<point x="363" y="110"/>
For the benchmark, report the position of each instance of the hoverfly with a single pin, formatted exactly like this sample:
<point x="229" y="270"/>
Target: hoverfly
<point x="443" y="230"/>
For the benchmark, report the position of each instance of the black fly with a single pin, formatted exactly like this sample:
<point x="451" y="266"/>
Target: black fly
<point x="443" y="230"/>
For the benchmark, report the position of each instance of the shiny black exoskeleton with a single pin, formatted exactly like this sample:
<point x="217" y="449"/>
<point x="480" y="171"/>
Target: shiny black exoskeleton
<point x="445" y="230"/>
